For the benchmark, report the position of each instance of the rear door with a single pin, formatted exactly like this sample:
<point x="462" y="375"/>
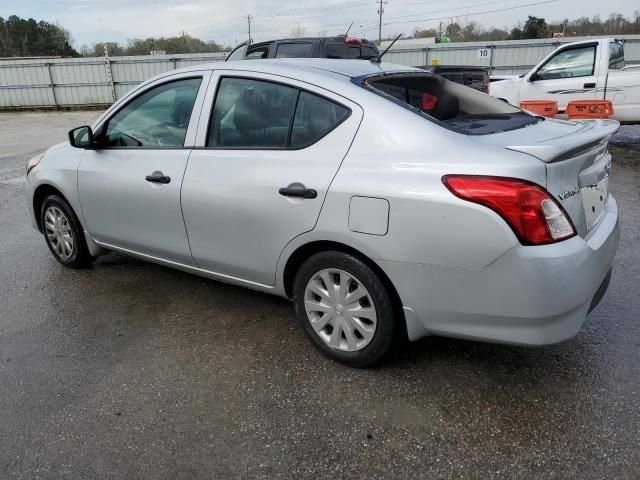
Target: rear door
<point x="570" y="74"/>
<point x="261" y="170"/>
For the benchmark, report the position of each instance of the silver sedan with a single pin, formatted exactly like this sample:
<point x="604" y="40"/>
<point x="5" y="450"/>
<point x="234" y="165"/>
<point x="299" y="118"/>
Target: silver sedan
<point x="385" y="201"/>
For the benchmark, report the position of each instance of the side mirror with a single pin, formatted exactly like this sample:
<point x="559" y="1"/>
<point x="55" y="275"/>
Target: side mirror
<point x="82" y="137"/>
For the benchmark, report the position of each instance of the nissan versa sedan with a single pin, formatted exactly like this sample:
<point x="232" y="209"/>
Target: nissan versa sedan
<point x="386" y="202"/>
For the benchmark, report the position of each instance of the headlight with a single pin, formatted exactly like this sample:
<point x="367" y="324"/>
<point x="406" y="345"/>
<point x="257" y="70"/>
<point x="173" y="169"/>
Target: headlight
<point x="34" y="162"/>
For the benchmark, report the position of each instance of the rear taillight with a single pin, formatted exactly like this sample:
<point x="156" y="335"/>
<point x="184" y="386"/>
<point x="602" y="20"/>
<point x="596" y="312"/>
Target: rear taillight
<point x="531" y="212"/>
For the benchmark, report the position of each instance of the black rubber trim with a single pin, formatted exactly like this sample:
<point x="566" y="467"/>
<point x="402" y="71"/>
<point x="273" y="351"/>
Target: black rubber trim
<point x="601" y="291"/>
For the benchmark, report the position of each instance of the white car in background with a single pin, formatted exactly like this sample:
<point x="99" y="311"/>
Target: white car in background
<point x="585" y="70"/>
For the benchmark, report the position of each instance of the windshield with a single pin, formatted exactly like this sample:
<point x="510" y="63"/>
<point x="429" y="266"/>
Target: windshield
<point x="454" y="106"/>
<point x="238" y="53"/>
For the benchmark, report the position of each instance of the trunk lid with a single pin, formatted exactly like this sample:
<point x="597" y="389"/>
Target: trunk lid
<point x="576" y="159"/>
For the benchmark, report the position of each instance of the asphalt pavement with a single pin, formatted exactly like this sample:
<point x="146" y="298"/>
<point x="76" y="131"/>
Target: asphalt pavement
<point x="131" y="370"/>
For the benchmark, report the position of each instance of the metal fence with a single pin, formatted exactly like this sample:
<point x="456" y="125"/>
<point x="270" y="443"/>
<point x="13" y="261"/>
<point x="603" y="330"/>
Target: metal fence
<point x="100" y="81"/>
<point x="95" y="81"/>
<point x="510" y="57"/>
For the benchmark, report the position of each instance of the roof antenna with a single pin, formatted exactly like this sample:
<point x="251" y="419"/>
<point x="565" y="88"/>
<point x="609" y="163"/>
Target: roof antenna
<point x="347" y="32"/>
<point x="378" y="59"/>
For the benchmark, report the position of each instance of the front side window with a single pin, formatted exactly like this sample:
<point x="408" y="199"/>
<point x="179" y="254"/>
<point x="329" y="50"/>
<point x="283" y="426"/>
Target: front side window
<point x="294" y="50"/>
<point x="616" y="56"/>
<point x="257" y="114"/>
<point x="157" y="118"/>
<point x="576" y="62"/>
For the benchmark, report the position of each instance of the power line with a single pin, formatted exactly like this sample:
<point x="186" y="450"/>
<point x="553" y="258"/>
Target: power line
<point x="453" y="8"/>
<point x="471" y="14"/>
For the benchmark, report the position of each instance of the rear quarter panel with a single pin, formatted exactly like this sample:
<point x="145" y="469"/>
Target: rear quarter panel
<point x="401" y="157"/>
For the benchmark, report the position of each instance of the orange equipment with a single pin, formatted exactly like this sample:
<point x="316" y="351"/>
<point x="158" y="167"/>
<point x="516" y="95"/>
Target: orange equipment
<point x="546" y="108"/>
<point x="589" y="109"/>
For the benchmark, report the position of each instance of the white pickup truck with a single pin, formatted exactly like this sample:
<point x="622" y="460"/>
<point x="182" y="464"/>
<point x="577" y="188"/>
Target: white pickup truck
<point x="585" y="70"/>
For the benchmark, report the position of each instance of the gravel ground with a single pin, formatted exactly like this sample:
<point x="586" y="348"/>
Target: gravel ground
<point x="132" y="370"/>
<point x="628" y="134"/>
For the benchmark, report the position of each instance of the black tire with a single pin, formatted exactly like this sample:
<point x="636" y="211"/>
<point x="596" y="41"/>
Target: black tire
<point x="80" y="256"/>
<point x="386" y="329"/>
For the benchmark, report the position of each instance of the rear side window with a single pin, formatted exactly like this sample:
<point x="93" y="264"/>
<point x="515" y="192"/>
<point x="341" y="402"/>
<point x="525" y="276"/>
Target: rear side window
<point x="616" y="56"/>
<point x="315" y="117"/>
<point x="455" y="106"/>
<point x="369" y="51"/>
<point x="257" y="114"/>
<point x="294" y="50"/>
<point x="251" y="113"/>
<point x="341" y="50"/>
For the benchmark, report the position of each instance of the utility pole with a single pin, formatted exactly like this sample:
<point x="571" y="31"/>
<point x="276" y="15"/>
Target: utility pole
<point x="184" y="41"/>
<point x="249" y="17"/>
<point x="380" y="12"/>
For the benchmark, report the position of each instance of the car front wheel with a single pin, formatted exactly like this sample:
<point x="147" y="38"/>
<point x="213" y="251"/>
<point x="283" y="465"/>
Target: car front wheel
<point x="63" y="233"/>
<point x="344" y="308"/>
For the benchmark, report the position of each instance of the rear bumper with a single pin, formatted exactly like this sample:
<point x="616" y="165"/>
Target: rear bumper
<point x="530" y="295"/>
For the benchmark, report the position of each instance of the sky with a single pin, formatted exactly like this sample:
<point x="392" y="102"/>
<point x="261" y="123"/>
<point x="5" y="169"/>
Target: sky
<point x="225" y="21"/>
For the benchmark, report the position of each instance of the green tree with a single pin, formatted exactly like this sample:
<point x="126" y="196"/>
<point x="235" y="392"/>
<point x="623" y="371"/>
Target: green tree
<point x="453" y="31"/>
<point x="535" y="27"/>
<point x="427" y="33"/>
<point x="26" y="37"/>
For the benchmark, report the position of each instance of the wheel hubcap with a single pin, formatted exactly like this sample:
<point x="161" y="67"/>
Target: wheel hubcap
<point x="340" y="310"/>
<point x="58" y="231"/>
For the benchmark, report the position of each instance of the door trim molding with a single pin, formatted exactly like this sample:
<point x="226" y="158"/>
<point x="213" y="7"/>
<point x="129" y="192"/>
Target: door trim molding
<point x="190" y="269"/>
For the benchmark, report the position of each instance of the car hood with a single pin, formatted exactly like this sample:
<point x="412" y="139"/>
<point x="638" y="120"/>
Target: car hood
<point x="552" y="139"/>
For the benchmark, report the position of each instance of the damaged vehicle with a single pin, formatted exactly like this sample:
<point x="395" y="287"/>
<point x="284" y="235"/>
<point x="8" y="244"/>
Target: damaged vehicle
<point x="386" y="202"/>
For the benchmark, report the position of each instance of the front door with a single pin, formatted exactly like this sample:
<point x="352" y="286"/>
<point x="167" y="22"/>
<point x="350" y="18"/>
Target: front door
<point x="261" y="174"/>
<point x="130" y="187"/>
<point x="571" y="74"/>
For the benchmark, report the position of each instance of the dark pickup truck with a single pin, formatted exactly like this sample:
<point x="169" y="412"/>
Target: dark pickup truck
<point x="312" y="47"/>
<point x="474" y="77"/>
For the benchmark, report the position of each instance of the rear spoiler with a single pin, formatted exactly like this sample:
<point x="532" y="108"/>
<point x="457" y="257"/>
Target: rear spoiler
<point x="590" y="135"/>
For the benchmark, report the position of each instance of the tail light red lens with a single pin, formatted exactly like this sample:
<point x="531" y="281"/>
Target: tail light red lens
<point x="532" y="213"/>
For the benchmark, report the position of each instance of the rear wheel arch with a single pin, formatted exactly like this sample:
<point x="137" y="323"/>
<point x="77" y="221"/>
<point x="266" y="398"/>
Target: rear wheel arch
<point x="302" y="253"/>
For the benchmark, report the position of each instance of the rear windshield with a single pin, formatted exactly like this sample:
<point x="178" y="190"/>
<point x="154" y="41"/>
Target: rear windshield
<point x="454" y="106"/>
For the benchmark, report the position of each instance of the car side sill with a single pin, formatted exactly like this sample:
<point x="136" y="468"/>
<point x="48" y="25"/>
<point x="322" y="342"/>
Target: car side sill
<point x="195" y="270"/>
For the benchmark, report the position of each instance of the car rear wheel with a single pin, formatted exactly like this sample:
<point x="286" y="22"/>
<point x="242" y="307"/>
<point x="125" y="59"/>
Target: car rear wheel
<point x="344" y="308"/>
<point x="63" y="233"/>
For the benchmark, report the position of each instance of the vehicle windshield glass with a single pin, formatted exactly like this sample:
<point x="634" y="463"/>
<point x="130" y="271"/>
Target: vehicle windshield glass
<point x="238" y="53"/>
<point x="455" y="106"/>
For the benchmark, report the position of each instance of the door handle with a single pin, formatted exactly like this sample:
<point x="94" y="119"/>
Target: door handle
<point x="298" y="190"/>
<point x="158" y="177"/>
<point x="590" y="85"/>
